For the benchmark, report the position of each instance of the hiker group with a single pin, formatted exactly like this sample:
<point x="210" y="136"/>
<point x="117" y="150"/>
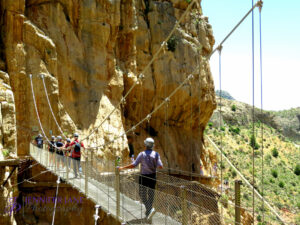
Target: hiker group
<point x="68" y="151"/>
<point x="63" y="152"/>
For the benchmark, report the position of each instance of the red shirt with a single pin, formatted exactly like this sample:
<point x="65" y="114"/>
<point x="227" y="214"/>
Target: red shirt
<point x="76" y="154"/>
<point x="68" y="150"/>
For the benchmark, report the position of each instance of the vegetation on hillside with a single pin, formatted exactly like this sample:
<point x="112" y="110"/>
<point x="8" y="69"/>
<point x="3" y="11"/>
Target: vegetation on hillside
<point x="281" y="166"/>
<point x="289" y="120"/>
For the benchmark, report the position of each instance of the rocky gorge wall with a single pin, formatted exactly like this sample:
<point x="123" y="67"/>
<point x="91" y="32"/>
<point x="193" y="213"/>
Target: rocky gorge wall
<point x="91" y="52"/>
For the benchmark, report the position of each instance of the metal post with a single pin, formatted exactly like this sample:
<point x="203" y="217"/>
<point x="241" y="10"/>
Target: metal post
<point x="97" y="207"/>
<point x="117" y="188"/>
<point x="91" y="164"/>
<point x="237" y="189"/>
<point x="47" y="162"/>
<point x="183" y="205"/>
<point x="68" y="162"/>
<point x="55" y="154"/>
<point x="40" y="152"/>
<point x="86" y="175"/>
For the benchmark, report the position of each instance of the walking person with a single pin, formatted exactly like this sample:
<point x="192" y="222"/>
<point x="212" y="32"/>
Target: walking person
<point x="38" y="141"/>
<point x="68" y="152"/>
<point x="150" y="161"/>
<point x="51" y="148"/>
<point x="76" y="153"/>
<point x="59" y="152"/>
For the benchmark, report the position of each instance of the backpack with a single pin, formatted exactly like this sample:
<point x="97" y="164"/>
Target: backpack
<point x="39" y="141"/>
<point x="77" y="147"/>
<point x="51" y="145"/>
<point x="154" y="165"/>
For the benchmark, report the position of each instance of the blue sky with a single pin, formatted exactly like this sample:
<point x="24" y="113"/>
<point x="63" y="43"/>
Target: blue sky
<point x="281" y="51"/>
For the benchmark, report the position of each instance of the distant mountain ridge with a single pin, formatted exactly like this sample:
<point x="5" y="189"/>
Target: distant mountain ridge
<point x="285" y="121"/>
<point x="224" y="94"/>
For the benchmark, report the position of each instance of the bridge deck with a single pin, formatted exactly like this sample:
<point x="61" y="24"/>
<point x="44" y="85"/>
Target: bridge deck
<point x="105" y="195"/>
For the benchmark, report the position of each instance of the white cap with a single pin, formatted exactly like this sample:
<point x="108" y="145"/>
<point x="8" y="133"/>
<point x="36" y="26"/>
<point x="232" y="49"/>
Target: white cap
<point x="59" y="137"/>
<point x="149" y="142"/>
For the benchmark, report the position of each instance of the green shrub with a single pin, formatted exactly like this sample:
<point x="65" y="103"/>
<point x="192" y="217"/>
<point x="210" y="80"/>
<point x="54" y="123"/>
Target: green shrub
<point x="275" y="152"/>
<point x="222" y="165"/>
<point x="171" y="43"/>
<point x="253" y="142"/>
<point x="268" y="158"/>
<point x="235" y="130"/>
<point x="246" y="196"/>
<point x="258" y="218"/>
<point x="5" y="152"/>
<point x="233" y="173"/>
<point x="233" y="108"/>
<point x="222" y="128"/>
<point x="281" y="184"/>
<point x="210" y="124"/>
<point x="297" y="170"/>
<point x="274" y="173"/>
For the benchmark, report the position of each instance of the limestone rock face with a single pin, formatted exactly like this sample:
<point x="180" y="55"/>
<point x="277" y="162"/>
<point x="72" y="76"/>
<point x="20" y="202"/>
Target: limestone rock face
<point x="91" y="52"/>
<point x="7" y="115"/>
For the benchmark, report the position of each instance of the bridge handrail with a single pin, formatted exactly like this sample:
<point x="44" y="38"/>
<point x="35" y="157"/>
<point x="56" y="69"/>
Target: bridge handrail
<point x="174" y="203"/>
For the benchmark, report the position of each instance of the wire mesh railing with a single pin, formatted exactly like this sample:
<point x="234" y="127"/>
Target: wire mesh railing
<point x="175" y="200"/>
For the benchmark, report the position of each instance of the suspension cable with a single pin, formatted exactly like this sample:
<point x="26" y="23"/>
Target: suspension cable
<point x="49" y="104"/>
<point x="58" y="181"/>
<point x="45" y="171"/>
<point x="253" y="124"/>
<point x="220" y="118"/>
<point x="261" y="110"/>
<point x="191" y="127"/>
<point x="236" y="26"/>
<point x="37" y="113"/>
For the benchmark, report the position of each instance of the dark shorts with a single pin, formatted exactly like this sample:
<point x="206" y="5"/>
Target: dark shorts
<point x="148" y="180"/>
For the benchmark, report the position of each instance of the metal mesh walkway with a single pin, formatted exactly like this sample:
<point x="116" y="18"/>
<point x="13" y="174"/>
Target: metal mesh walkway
<point x="176" y="201"/>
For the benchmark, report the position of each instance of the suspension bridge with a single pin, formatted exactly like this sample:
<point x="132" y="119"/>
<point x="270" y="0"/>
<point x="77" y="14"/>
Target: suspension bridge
<point x="177" y="201"/>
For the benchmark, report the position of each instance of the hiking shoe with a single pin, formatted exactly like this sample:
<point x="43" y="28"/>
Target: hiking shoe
<point x="151" y="214"/>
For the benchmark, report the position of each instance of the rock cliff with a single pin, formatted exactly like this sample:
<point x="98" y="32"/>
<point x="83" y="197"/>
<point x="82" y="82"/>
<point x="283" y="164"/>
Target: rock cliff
<point x="91" y="52"/>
